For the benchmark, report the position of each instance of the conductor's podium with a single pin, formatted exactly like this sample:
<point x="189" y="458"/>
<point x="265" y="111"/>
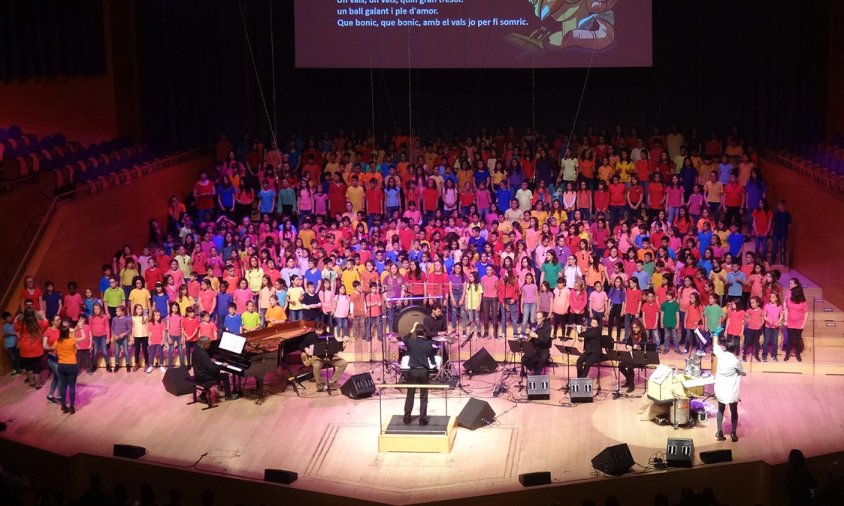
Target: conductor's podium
<point x="435" y="437"/>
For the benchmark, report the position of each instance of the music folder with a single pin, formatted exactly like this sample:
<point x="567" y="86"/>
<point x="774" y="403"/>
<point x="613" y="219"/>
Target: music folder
<point x="328" y="347"/>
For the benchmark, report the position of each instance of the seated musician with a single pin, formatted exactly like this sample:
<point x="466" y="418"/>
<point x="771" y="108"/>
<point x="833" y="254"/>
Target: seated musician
<point x="420" y="351"/>
<point x="634" y="341"/>
<point x="205" y="371"/>
<point x="591" y="348"/>
<point x="541" y="339"/>
<point x="434" y="325"/>
<point x="310" y="340"/>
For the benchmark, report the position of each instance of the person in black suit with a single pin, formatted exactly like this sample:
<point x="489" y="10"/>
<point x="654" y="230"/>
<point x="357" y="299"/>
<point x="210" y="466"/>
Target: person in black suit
<point x="206" y="371"/>
<point x="420" y="352"/>
<point x="541" y="339"/>
<point x="635" y="340"/>
<point x="591" y="348"/>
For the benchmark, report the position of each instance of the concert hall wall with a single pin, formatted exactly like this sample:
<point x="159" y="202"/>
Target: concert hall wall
<point x="757" y="63"/>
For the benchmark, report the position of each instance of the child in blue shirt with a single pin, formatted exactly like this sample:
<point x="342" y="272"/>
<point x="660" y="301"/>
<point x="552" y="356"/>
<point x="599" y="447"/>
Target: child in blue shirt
<point x="10" y="341"/>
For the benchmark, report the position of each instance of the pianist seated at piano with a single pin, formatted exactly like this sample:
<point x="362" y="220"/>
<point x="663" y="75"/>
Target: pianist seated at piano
<point x="635" y="340"/>
<point x="206" y="371"/>
<point x="317" y="362"/>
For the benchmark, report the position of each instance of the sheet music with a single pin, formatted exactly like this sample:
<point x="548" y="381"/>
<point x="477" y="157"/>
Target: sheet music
<point x="232" y="342"/>
<point x="660" y="374"/>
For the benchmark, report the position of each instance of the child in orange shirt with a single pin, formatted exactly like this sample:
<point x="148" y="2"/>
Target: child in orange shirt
<point x="358" y="311"/>
<point x="373" y="312"/>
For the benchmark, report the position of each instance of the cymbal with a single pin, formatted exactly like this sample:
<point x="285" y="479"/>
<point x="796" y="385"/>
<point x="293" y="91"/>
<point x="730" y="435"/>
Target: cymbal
<point x="441" y="339"/>
<point x="393" y="336"/>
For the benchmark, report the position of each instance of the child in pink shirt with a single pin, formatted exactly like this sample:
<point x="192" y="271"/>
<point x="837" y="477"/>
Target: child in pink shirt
<point x="773" y="320"/>
<point x="83" y="344"/>
<point x="157" y="331"/>
<point x="754" y="319"/>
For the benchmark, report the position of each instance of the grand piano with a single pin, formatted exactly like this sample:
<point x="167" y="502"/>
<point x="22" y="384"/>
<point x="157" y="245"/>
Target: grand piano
<point x="265" y="349"/>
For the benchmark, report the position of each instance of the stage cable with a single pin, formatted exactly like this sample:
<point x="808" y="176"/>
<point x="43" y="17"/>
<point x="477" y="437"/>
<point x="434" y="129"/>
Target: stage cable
<point x="533" y="98"/>
<point x="580" y="102"/>
<point x="409" y="103"/>
<point x="255" y="69"/>
<point x="272" y="63"/>
<point x="372" y="101"/>
<point x="480" y="74"/>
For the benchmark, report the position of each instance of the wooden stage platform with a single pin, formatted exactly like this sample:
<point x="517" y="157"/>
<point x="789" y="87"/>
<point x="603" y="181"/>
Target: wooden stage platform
<point x="332" y="441"/>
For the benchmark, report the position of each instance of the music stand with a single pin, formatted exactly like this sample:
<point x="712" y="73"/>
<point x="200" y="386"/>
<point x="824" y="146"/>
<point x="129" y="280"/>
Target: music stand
<point x="614" y="356"/>
<point x="569" y="351"/>
<point x="651" y="362"/>
<point x="325" y="349"/>
<point x="522" y="347"/>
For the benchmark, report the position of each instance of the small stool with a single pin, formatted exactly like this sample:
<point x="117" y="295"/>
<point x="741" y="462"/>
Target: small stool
<point x="202" y="388"/>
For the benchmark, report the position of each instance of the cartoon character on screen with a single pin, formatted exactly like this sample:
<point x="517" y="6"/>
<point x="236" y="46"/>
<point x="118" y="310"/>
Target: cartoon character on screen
<point x="587" y="24"/>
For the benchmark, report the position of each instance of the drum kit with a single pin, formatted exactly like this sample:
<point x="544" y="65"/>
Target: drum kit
<point x="440" y="366"/>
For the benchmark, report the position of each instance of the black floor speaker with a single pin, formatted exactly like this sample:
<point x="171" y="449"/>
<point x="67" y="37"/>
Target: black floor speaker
<point x="475" y="414"/>
<point x="535" y="479"/>
<point x="129" y="451"/>
<point x="280" y="476"/>
<point x="680" y="452"/>
<point x="614" y="460"/>
<point x="175" y="381"/>
<point x="716" y="456"/>
<point x="358" y="386"/>
<point x="538" y="387"/>
<point x="580" y="390"/>
<point x="480" y="363"/>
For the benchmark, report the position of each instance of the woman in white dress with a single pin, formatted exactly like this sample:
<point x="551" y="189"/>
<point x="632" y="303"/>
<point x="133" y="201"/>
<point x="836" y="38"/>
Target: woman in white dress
<point x="727" y="382"/>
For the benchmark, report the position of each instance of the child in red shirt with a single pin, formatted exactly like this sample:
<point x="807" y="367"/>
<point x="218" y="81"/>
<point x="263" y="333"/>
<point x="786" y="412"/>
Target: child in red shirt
<point x="734" y="323"/>
<point x="190" y="333"/>
<point x="207" y="328"/>
<point x="650" y="318"/>
<point x="373" y="312"/>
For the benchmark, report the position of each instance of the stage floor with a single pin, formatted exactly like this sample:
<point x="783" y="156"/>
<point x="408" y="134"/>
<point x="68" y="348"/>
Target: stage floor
<point x="332" y="441"/>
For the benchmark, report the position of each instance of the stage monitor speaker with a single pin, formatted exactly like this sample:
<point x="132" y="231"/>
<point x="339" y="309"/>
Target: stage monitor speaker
<point x="680" y="452"/>
<point x="280" y="476"/>
<point x="129" y="451"/>
<point x="480" y="363"/>
<point x="716" y="456"/>
<point x="358" y="386"/>
<point x="176" y="381"/>
<point x="580" y="390"/>
<point x="538" y="387"/>
<point x="535" y="479"/>
<point x="614" y="460"/>
<point x="475" y="414"/>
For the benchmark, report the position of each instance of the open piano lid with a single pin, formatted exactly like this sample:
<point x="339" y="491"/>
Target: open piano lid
<point x="269" y="339"/>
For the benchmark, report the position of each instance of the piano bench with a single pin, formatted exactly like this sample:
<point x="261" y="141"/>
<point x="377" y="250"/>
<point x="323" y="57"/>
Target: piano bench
<point x="202" y="388"/>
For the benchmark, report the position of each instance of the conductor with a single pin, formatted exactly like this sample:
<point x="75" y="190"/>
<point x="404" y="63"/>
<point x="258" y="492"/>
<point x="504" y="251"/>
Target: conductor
<point x="420" y="352"/>
<point x="206" y="371"/>
<point x="541" y="339"/>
